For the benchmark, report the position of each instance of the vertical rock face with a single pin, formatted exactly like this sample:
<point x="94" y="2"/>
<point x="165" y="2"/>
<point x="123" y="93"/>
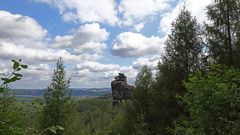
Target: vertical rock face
<point x="120" y="89"/>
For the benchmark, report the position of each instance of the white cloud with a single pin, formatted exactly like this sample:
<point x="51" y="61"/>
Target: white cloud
<point x="9" y="50"/>
<point x="101" y="74"/>
<point x="41" y="67"/>
<point x="19" y="29"/>
<point x="138" y="27"/>
<point x="97" y="67"/>
<point x="3" y="68"/>
<point x="89" y="37"/>
<point x="196" y="7"/>
<point x="136" y="10"/>
<point x="130" y="44"/>
<point x="22" y="37"/>
<point x="86" y="11"/>
<point x="41" y="72"/>
<point x="91" y="47"/>
<point x="35" y="76"/>
<point x="151" y="62"/>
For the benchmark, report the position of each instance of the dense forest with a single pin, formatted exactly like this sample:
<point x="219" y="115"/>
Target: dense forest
<point x="196" y="90"/>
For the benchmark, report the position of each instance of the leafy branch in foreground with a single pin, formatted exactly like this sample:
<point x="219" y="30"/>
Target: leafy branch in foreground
<point x="213" y="103"/>
<point x="53" y="129"/>
<point x="10" y="117"/>
<point x="14" y="76"/>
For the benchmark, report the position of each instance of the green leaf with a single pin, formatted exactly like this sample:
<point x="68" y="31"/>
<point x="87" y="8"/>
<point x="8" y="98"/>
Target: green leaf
<point x="17" y="74"/>
<point x="18" y="69"/>
<point x="24" y="66"/>
<point x="60" y="128"/>
<point x="4" y="79"/>
<point x="15" y="64"/>
<point x="53" y="130"/>
<point x="13" y="79"/>
<point x="1" y="90"/>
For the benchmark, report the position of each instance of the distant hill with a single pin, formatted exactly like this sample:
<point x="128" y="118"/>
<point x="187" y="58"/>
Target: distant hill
<point x="76" y="92"/>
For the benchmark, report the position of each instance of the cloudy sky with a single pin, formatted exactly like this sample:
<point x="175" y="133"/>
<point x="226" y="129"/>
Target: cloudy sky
<point x="96" y="38"/>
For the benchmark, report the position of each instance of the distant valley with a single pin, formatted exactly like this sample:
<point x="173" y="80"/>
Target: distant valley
<point x="29" y="94"/>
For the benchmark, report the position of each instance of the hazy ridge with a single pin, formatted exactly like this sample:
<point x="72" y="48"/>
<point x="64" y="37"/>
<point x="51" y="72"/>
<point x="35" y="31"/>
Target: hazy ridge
<point x="76" y="92"/>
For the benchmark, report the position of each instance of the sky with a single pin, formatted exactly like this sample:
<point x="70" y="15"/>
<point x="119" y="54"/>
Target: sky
<point x="96" y="38"/>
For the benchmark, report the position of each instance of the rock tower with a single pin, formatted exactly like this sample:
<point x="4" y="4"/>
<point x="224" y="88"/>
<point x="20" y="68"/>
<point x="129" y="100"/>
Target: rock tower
<point x="121" y="90"/>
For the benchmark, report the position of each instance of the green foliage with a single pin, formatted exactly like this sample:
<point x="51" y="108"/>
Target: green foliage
<point x="206" y="103"/>
<point x="136" y="112"/>
<point x="58" y="102"/>
<point x="17" y="66"/>
<point x="222" y="32"/>
<point x="53" y="130"/>
<point x="93" y="116"/>
<point x="183" y="55"/>
<point x="184" y="46"/>
<point x="213" y="103"/>
<point x="10" y="116"/>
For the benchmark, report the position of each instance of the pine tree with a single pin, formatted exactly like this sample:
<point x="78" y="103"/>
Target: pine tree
<point x="182" y="56"/>
<point x="57" y="98"/>
<point x="223" y="31"/>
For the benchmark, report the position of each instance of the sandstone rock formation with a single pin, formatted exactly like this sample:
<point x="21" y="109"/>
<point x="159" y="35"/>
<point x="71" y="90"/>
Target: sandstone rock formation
<point x="121" y="90"/>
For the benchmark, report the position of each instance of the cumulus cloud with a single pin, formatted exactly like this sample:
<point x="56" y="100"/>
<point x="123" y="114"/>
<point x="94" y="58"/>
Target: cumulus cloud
<point x="151" y="62"/>
<point x="138" y="27"/>
<point x="3" y="68"/>
<point x="96" y="67"/>
<point x="101" y="73"/>
<point x="10" y="50"/>
<point x="86" y="11"/>
<point x="89" y="37"/>
<point x="130" y="44"/>
<point x="197" y="9"/>
<point x="19" y="29"/>
<point x="136" y="10"/>
<point x="41" y="67"/>
<point x="22" y="37"/>
<point x="35" y="76"/>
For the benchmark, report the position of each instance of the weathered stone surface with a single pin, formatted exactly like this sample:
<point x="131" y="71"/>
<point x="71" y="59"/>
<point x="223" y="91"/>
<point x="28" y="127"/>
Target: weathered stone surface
<point x="121" y="90"/>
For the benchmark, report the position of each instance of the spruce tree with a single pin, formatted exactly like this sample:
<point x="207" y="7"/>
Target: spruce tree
<point x="142" y="100"/>
<point x="57" y="98"/>
<point x="223" y="32"/>
<point x="136" y="113"/>
<point x="182" y="57"/>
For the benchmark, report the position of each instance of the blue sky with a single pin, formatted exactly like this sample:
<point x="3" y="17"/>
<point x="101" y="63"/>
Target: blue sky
<point x="96" y="38"/>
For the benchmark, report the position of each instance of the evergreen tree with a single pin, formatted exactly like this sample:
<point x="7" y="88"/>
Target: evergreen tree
<point x="183" y="54"/>
<point x="223" y="32"/>
<point x="136" y="115"/>
<point x="142" y="100"/>
<point x="57" y="99"/>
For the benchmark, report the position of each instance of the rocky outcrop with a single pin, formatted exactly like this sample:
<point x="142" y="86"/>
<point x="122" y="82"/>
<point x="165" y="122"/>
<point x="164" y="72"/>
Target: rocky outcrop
<point x="121" y="90"/>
